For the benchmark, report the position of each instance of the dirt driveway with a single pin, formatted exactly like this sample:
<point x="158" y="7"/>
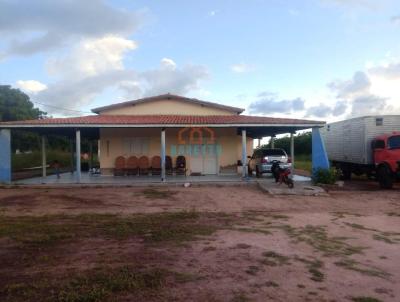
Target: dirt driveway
<point x="223" y="243"/>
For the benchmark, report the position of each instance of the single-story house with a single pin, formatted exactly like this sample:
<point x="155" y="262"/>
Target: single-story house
<point x="212" y="137"/>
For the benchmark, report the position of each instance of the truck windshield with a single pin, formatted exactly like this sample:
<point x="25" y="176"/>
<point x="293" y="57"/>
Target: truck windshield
<point x="394" y="142"/>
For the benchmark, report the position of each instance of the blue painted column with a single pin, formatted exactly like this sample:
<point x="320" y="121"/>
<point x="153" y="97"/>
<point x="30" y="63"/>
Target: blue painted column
<point x="5" y="156"/>
<point x="319" y="155"/>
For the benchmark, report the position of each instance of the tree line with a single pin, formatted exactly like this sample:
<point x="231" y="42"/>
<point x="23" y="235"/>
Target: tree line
<point x="15" y="105"/>
<point x="302" y="143"/>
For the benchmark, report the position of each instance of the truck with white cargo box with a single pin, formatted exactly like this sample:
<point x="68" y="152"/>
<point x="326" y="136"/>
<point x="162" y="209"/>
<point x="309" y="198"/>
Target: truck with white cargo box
<point x="365" y="145"/>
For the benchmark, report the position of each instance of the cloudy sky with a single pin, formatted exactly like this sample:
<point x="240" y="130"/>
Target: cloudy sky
<point x="318" y="59"/>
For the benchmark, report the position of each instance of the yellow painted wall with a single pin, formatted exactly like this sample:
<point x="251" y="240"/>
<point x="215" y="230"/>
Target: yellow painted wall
<point x="167" y="107"/>
<point x="111" y="144"/>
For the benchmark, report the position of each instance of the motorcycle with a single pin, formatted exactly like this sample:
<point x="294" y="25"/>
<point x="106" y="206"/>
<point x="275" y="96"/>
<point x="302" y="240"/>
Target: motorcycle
<point x="282" y="175"/>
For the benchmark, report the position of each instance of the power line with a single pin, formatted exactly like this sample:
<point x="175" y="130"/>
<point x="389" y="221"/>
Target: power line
<point x="60" y="108"/>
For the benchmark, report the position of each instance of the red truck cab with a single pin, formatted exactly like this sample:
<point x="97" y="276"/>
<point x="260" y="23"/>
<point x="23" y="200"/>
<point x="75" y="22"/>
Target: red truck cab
<point x="386" y="155"/>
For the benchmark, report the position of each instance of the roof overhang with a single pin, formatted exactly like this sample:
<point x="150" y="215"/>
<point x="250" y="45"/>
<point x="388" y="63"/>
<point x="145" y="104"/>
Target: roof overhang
<point x="93" y="131"/>
<point x="20" y="126"/>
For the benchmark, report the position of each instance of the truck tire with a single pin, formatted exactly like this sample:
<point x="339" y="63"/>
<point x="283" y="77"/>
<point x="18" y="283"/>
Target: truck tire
<point x="385" y="178"/>
<point x="346" y="173"/>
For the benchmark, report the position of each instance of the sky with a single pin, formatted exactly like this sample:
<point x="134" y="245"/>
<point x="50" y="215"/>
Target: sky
<point x="315" y="59"/>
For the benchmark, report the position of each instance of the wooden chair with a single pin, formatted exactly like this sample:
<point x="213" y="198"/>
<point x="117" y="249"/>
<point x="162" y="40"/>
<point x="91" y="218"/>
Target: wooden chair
<point x="132" y="166"/>
<point x="180" y="165"/>
<point x="168" y="165"/>
<point x="143" y="165"/>
<point x="120" y="166"/>
<point x="156" y="165"/>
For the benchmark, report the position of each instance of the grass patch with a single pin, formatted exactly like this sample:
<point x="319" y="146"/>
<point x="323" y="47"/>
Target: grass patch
<point x="271" y="284"/>
<point x="280" y="216"/>
<point x="303" y="162"/>
<point x="317" y="237"/>
<point x="161" y="227"/>
<point x="393" y="214"/>
<point x="240" y="297"/>
<point x="34" y="159"/>
<point x="252" y="270"/>
<point x="360" y="227"/>
<point x="158" y="194"/>
<point x="34" y="230"/>
<point x="353" y="265"/>
<point x="387" y="237"/>
<point x="272" y="258"/>
<point x="254" y="230"/>
<point x="209" y="249"/>
<point x="313" y="267"/>
<point x="383" y="238"/>
<point x="99" y="284"/>
<point x="365" y="299"/>
<point x="177" y="227"/>
<point x="242" y="246"/>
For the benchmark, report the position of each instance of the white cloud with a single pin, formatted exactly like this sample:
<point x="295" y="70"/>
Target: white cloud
<point x="395" y="19"/>
<point x="173" y="80"/>
<point x="359" y="84"/>
<point x="389" y="70"/>
<point x="92" y="57"/>
<point x="369" y="104"/>
<point x="75" y="92"/>
<point x="31" y="86"/>
<point x="242" y="68"/>
<point x="42" y="25"/>
<point x="294" y="12"/>
<point x="370" y="4"/>
<point x="269" y="105"/>
<point x="320" y="111"/>
<point x="168" y="63"/>
<point x="372" y="91"/>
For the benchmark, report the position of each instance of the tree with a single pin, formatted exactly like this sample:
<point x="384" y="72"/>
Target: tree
<point x="15" y="105"/>
<point x="302" y="143"/>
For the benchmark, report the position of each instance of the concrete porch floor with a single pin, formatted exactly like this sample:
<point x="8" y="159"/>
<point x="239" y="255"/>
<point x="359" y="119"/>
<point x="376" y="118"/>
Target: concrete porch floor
<point x="87" y="179"/>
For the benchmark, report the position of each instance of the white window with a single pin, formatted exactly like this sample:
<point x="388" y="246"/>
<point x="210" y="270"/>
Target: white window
<point x="136" y="145"/>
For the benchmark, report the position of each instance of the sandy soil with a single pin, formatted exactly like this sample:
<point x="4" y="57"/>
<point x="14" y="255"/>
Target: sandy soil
<point x="279" y="248"/>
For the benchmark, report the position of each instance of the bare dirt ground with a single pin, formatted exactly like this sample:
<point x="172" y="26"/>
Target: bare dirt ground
<point x="224" y="243"/>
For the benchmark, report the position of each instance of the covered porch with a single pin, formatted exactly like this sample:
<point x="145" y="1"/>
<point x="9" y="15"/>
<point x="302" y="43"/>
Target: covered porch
<point x="230" y="142"/>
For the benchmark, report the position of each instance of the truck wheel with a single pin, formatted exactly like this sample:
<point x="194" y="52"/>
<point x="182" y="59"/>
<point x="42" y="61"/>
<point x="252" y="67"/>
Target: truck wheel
<point x="385" y="177"/>
<point x="346" y="173"/>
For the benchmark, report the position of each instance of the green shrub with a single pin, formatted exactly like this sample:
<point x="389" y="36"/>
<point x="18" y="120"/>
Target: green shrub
<point x="325" y="176"/>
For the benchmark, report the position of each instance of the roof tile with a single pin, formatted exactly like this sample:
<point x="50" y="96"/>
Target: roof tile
<point x="163" y="120"/>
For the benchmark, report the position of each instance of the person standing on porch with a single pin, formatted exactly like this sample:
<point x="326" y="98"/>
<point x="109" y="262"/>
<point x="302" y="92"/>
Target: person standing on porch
<point x="56" y="167"/>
